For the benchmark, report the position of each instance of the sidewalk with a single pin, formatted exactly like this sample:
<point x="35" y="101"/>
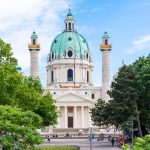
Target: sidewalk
<point x="83" y="143"/>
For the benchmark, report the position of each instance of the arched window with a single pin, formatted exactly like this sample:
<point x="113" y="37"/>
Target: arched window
<point x="52" y="56"/>
<point x="106" y="41"/>
<point x="69" y="26"/>
<point x="87" y="56"/>
<point x="70" y="75"/>
<point x="87" y="76"/>
<point x="66" y="26"/>
<point x="52" y="76"/>
<point x="34" y="41"/>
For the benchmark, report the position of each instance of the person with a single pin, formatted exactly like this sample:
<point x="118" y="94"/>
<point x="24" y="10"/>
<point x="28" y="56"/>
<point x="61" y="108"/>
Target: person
<point x="112" y="141"/>
<point x="67" y="135"/>
<point x="48" y="138"/>
<point x="109" y="138"/>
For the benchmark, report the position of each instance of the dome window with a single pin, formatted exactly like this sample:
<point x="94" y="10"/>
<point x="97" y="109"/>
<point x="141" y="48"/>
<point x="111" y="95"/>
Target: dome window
<point x="70" y="53"/>
<point x="83" y="41"/>
<point x="69" y="39"/>
<point x="55" y="41"/>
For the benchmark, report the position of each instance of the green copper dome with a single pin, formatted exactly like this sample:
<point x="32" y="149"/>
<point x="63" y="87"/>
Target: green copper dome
<point x="34" y="35"/>
<point x="69" y="40"/>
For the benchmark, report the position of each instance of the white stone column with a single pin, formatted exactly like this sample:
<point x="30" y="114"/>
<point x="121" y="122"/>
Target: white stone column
<point x="66" y="117"/>
<point x="90" y="121"/>
<point x="34" y="63"/>
<point x="58" y="119"/>
<point x="105" y="74"/>
<point x="82" y="114"/>
<point x="75" y="117"/>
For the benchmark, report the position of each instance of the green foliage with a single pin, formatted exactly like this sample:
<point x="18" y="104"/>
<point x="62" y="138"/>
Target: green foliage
<point x="139" y="144"/>
<point x="23" y="92"/>
<point x="130" y="97"/>
<point x="6" y="55"/>
<point x="24" y="106"/>
<point x="99" y="110"/>
<point x="18" y="128"/>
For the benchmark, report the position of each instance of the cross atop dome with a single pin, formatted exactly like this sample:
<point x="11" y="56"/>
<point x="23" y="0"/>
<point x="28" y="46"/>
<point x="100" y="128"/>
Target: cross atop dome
<point x="69" y="7"/>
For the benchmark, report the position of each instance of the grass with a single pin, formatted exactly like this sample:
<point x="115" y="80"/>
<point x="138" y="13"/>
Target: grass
<point x="60" y="148"/>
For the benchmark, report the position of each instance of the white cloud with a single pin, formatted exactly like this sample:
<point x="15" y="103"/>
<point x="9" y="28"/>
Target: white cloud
<point x="139" y="44"/>
<point x="19" y="19"/>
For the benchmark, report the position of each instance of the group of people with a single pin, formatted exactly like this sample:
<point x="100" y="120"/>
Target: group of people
<point x="120" y="140"/>
<point x="101" y="137"/>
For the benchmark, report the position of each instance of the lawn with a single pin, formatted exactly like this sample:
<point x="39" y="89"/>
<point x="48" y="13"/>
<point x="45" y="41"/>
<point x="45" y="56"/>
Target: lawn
<point x="61" y="148"/>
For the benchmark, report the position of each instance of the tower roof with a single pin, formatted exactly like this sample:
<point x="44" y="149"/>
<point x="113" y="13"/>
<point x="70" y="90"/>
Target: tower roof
<point x="34" y="35"/>
<point x="105" y="35"/>
<point x="69" y="15"/>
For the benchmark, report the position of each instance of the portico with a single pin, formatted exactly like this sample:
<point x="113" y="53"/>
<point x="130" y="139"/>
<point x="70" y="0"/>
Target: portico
<point x="73" y="116"/>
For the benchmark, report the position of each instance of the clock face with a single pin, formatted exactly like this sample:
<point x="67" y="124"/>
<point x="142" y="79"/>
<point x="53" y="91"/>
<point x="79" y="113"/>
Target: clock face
<point x="70" y="53"/>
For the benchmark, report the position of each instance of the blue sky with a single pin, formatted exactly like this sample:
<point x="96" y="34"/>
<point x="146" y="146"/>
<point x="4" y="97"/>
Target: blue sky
<point x="127" y="22"/>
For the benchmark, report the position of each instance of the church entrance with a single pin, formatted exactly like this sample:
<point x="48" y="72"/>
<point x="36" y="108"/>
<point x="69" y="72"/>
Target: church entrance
<point x="70" y="122"/>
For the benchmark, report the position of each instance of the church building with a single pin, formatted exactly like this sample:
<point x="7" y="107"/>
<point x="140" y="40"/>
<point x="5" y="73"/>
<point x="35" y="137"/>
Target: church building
<point x="69" y="74"/>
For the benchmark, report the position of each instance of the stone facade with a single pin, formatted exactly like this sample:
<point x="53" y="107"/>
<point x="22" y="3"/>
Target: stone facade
<point x="69" y="75"/>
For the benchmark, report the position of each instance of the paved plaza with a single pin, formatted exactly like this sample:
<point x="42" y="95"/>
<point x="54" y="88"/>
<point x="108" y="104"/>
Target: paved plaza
<point x="84" y="144"/>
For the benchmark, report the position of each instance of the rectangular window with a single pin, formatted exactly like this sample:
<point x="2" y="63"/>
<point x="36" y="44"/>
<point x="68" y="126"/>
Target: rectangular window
<point x="70" y="109"/>
<point x="93" y="96"/>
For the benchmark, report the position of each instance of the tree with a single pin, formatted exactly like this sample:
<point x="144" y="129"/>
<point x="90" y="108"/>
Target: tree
<point x="18" y="129"/>
<point x="6" y="55"/>
<point x="21" y="91"/>
<point x="130" y="96"/>
<point x="98" y="114"/>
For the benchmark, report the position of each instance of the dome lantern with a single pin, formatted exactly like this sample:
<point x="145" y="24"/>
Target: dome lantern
<point x="69" y="21"/>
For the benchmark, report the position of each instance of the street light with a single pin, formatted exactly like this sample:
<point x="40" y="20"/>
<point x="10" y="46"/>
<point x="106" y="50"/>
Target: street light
<point x="90" y="132"/>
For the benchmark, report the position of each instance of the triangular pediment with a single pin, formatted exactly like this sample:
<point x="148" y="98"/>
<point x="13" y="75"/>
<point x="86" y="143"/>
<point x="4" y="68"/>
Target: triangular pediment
<point x="72" y="97"/>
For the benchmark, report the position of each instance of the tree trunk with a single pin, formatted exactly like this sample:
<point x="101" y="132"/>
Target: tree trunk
<point x="138" y="120"/>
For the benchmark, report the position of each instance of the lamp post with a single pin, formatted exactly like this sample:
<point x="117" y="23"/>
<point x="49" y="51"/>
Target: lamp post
<point x="90" y="132"/>
<point x="90" y="138"/>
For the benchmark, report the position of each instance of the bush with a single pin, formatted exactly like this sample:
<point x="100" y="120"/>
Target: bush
<point x="140" y="144"/>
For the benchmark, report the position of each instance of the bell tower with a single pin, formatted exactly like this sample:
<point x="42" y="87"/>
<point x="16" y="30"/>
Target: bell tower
<point x="105" y="49"/>
<point x="34" y="48"/>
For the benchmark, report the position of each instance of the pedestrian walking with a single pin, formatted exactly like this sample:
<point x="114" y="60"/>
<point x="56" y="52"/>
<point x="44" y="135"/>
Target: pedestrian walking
<point x="112" y="141"/>
<point x="49" y="139"/>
